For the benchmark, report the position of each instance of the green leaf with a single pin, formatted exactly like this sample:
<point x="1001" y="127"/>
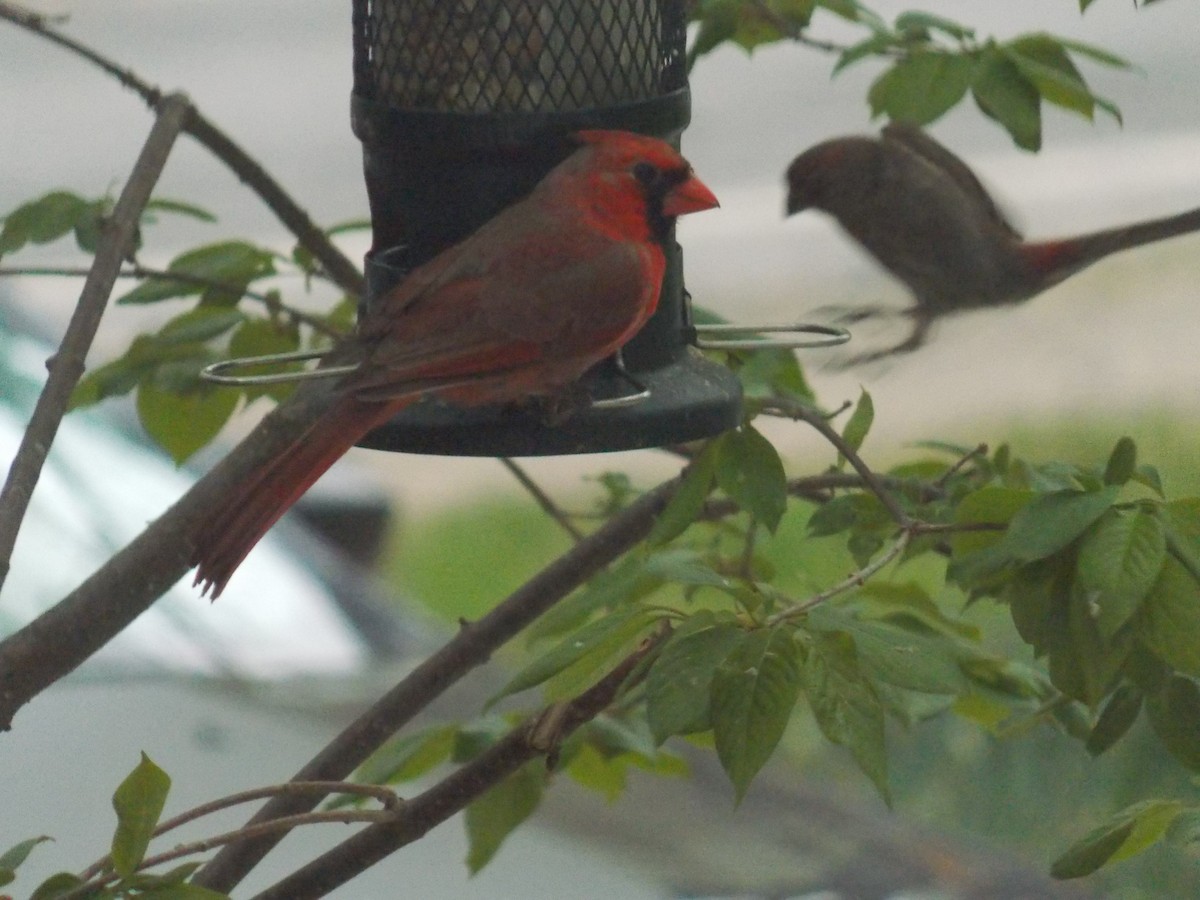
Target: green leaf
<point x="14" y="856"/>
<point x="1003" y="93"/>
<point x="835" y="516"/>
<point x="406" y="757"/>
<point x="42" y="220"/>
<point x="753" y="693"/>
<point x="1127" y="833"/>
<point x="1052" y="521"/>
<point x="750" y="471"/>
<point x="678" y="686"/>
<point x="616" y="627"/>
<point x="1045" y="64"/>
<point x="139" y="802"/>
<point x="230" y="264"/>
<point x="1117" y="718"/>
<point x="688" y="501"/>
<point x="896" y="656"/>
<point x="876" y="45"/>
<point x="922" y="21"/>
<point x="1122" y="462"/>
<point x="1096" y="54"/>
<point x="845" y="705"/>
<point x="621" y="584"/>
<point x="57" y="885"/>
<point x="922" y="86"/>
<point x="1119" y="561"/>
<point x="180" y="208"/>
<point x="492" y="818"/>
<point x="183" y="423"/>
<point x="1174" y="713"/>
<point x="1168" y="620"/>
<point x="201" y="324"/>
<point x="992" y="505"/>
<point x="858" y="425"/>
<point x="263" y="337"/>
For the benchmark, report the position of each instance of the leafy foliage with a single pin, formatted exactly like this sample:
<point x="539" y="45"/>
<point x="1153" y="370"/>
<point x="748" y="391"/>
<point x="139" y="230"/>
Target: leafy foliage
<point x="933" y="63"/>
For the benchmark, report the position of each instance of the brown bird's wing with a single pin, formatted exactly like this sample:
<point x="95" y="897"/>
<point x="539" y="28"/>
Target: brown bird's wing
<point x="917" y="141"/>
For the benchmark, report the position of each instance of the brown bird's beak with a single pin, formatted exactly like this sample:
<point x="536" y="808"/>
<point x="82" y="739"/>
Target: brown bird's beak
<point x="689" y="196"/>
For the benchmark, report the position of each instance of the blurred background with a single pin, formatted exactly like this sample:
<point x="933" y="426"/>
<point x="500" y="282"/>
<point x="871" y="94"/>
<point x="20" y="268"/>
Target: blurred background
<point x="1110" y="352"/>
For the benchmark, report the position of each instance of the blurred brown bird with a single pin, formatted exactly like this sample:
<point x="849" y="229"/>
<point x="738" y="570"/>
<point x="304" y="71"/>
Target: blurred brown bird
<point x="922" y="213"/>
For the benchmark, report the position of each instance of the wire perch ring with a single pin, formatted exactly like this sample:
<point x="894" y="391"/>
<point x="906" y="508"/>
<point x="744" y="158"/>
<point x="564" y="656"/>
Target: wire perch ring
<point x="827" y="336"/>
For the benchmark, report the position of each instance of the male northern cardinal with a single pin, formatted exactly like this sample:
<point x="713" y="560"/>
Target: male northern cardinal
<point x="523" y="307"/>
<point x="922" y="213"/>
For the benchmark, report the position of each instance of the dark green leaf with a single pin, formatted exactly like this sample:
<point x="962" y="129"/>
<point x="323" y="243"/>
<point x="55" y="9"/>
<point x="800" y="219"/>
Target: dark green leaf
<point x="57" y="885"/>
<point x="139" y="802"/>
<point x="623" y="583"/>
<point x="845" y="705"/>
<point x="1044" y="63"/>
<point x="750" y="471"/>
<point x="219" y="273"/>
<point x="89" y="227"/>
<point x="1096" y="54"/>
<point x="615" y="627"/>
<point x="183" y="423"/>
<point x="1122" y="462"/>
<point x="1052" y="521"/>
<point x="1127" y="833"/>
<point x="896" y="656"/>
<point x="834" y="517"/>
<point x="201" y="324"/>
<point x="858" y="425"/>
<point x="688" y="501"/>
<point x="1003" y="93"/>
<point x="1118" y="717"/>
<point x="921" y="21"/>
<point x="877" y="44"/>
<point x="492" y="817"/>
<point x="922" y="86"/>
<point x="1174" y="713"/>
<point x="42" y="221"/>
<point x="179" y="207"/>
<point x="407" y="757"/>
<point x="1119" y="561"/>
<point x="14" y="856"/>
<point x="753" y="693"/>
<point x="991" y="505"/>
<point x="1169" y="619"/>
<point x="679" y="683"/>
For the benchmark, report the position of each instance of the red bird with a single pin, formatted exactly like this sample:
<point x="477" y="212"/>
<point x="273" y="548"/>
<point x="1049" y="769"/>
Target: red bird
<point x="922" y="213"/>
<point x="523" y="307"/>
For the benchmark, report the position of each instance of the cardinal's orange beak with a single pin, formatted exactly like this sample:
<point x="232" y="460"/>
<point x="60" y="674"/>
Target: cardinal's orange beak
<point x="689" y="196"/>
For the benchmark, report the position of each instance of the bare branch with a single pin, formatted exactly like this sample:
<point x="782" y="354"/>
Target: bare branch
<point x="341" y="270"/>
<point x="67" y="365"/>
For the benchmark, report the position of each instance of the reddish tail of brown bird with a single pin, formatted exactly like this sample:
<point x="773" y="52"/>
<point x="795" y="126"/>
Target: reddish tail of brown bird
<point x="223" y="542"/>
<point x="1057" y="260"/>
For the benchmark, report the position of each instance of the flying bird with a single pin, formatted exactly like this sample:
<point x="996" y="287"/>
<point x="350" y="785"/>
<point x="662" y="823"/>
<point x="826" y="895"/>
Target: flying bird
<point x="521" y="308"/>
<point x="922" y="213"/>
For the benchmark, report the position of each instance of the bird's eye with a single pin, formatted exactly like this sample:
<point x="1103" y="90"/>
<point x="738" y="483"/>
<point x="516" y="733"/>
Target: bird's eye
<point x="646" y="173"/>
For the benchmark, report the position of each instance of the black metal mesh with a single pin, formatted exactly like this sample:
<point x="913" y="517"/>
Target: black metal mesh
<point x="489" y="56"/>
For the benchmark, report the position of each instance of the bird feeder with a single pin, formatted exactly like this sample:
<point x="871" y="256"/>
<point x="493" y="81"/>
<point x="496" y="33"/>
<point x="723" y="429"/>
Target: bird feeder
<point x="462" y="106"/>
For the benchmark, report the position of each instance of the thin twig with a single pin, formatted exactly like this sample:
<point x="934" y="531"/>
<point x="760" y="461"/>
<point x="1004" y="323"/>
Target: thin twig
<point x="67" y="365"/>
<point x="543" y="499"/>
<point x="794" y="31"/>
<point x="976" y="453"/>
<point x="527" y="741"/>
<point x="805" y="413"/>
<point x="471" y="646"/>
<point x="143" y="272"/>
<point x="93" y="879"/>
<point x="341" y="270"/>
<point x="853" y="580"/>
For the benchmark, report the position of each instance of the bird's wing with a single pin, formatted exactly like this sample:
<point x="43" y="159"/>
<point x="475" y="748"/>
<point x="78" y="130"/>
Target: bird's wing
<point x="918" y="142"/>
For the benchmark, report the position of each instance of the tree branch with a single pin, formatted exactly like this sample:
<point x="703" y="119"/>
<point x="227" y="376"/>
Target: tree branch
<point x="67" y="365"/>
<point x="414" y="818"/>
<point x="343" y="272"/>
<point x="472" y="646"/>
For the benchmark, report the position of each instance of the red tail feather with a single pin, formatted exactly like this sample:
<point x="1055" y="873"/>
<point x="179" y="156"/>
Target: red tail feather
<point x="224" y="541"/>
